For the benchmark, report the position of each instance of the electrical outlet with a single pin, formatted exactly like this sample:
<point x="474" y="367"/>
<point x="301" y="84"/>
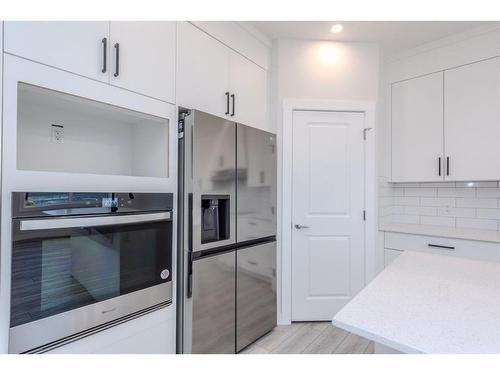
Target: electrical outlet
<point x="57" y="133"/>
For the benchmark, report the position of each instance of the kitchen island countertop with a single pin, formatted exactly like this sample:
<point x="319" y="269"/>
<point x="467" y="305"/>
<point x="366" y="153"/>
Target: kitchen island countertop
<point x="427" y="303"/>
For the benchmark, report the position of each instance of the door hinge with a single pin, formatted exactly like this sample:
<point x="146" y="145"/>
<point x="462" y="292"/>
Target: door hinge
<point x="180" y="129"/>
<point x="364" y="133"/>
<point x="364" y="215"/>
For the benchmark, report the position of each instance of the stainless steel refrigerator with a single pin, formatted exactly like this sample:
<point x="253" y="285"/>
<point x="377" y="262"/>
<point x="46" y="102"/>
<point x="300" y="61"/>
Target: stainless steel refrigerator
<point x="226" y="284"/>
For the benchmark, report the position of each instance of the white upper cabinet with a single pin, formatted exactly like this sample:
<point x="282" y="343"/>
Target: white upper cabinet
<point x="248" y="89"/>
<point x="417" y="129"/>
<point x="138" y="56"/>
<point x="472" y="121"/>
<point x="77" y="47"/>
<point x="146" y="58"/>
<point x="202" y="71"/>
<point x="215" y="79"/>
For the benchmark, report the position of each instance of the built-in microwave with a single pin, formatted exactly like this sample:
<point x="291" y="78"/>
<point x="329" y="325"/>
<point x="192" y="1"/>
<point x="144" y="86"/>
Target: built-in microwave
<point x="84" y="261"/>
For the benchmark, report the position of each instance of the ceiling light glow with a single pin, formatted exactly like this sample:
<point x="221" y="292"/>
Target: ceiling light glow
<point x="337" y="28"/>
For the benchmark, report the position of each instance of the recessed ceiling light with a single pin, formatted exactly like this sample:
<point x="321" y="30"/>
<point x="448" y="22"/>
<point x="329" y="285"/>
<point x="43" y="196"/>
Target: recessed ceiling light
<point x="337" y="28"/>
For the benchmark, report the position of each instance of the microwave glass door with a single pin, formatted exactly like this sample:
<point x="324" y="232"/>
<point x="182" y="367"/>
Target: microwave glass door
<point x="58" y="270"/>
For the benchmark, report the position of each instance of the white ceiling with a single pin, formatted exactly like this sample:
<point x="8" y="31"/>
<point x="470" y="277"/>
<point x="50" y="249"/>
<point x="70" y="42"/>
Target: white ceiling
<point x="393" y="36"/>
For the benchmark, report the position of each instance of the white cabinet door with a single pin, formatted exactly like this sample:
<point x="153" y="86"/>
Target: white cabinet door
<point x="417" y="129"/>
<point x="472" y="121"/>
<point x="202" y="71"/>
<point x="248" y="83"/>
<point x="76" y="47"/>
<point x="146" y="58"/>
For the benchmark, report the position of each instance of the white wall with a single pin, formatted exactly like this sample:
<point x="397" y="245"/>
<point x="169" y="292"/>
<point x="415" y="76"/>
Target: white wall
<point x="326" y="70"/>
<point x="305" y="69"/>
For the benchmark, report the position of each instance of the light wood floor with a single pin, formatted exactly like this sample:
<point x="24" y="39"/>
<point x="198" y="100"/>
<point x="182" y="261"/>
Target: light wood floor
<point x="310" y="338"/>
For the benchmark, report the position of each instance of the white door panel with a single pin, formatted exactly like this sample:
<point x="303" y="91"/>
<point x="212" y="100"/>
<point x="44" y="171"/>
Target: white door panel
<point x="328" y="200"/>
<point x="417" y="129"/>
<point x="74" y="46"/>
<point x="472" y="121"/>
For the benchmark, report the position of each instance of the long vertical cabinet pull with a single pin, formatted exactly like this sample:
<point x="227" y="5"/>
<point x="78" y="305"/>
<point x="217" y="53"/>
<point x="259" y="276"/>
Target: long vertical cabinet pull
<point x="104" y="42"/>
<point x="117" y="60"/>
<point x="447" y="166"/>
<point x="233" y="100"/>
<point x="227" y="103"/>
<point x="439" y="166"/>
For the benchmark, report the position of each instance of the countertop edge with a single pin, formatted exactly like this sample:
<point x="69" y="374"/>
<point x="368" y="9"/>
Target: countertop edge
<point x="371" y="336"/>
<point x="423" y="230"/>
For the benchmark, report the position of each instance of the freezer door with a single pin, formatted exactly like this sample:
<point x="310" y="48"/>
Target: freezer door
<point x="255" y="293"/>
<point x="214" y="304"/>
<point x="256" y="184"/>
<point x="212" y="178"/>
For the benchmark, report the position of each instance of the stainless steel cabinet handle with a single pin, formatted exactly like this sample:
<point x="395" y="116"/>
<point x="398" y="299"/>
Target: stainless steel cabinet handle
<point x="104" y="42"/>
<point x="439" y="166"/>
<point x="117" y="61"/>
<point x="233" y="100"/>
<point x="447" y="165"/>
<point x="227" y="103"/>
<point x="298" y="226"/>
<point x="441" y="246"/>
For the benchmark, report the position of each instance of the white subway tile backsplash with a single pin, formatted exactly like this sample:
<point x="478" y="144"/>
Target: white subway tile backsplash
<point x="406" y="184"/>
<point x="488" y="213"/>
<point x="406" y="201"/>
<point x="419" y="210"/>
<point x="456" y="212"/>
<point x="477" y="223"/>
<point x="437" y="202"/>
<point x="488" y="193"/>
<point x="420" y="192"/>
<point x="438" y="220"/>
<point x="398" y="210"/>
<point x="477" y="202"/>
<point x="398" y="192"/>
<point x="457" y="192"/>
<point x="406" y="219"/>
<point x="453" y="204"/>
<point x="437" y="184"/>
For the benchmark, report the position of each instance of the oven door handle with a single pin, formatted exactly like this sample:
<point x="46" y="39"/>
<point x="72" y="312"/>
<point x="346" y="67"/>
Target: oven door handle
<point x="96" y="221"/>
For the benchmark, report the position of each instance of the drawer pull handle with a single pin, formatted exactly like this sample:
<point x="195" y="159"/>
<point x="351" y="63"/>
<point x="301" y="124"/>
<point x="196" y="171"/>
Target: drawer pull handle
<point x="442" y="246"/>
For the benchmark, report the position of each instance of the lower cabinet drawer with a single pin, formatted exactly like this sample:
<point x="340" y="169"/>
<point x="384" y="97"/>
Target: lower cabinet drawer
<point x="479" y="250"/>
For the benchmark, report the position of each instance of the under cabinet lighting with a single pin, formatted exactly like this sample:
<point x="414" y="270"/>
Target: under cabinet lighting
<point x="337" y="28"/>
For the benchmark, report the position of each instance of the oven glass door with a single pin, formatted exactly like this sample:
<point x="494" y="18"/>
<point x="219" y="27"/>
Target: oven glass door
<point x="59" y="265"/>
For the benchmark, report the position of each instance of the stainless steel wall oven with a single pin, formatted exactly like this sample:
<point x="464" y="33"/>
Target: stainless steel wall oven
<point x="84" y="261"/>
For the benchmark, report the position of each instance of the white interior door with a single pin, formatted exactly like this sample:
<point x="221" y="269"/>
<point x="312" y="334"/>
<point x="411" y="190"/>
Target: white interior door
<point x="328" y="201"/>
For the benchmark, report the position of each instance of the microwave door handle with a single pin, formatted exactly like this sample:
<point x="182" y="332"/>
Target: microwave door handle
<point x="79" y="222"/>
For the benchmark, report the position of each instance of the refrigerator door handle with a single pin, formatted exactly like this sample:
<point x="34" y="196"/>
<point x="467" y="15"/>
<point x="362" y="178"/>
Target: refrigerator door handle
<point x="190" y="280"/>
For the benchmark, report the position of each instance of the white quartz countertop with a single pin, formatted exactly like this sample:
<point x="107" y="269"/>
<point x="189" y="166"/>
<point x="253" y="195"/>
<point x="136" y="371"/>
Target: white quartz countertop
<point x="448" y="232"/>
<point x="427" y="303"/>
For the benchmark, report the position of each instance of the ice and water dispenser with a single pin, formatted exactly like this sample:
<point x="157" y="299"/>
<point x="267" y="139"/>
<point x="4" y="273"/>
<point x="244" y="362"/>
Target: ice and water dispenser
<point x="214" y="218"/>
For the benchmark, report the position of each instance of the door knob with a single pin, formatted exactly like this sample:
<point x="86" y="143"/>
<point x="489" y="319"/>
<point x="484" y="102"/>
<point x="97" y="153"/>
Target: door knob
<point x="298" y="226"/>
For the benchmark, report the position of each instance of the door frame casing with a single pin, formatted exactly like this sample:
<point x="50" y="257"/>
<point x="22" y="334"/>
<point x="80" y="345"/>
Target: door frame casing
<point x="285" y="186"/>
